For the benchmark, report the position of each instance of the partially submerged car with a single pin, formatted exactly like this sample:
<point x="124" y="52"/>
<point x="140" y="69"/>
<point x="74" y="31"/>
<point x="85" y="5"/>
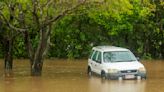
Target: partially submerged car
<point x="115" y="63"/>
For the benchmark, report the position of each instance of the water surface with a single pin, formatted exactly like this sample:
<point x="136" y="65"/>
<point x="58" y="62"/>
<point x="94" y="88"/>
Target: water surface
<point x="70" y="76"/>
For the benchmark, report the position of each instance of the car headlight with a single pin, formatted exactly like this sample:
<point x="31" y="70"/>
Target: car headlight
<point x="112" y="71"/>
<point x="142" y="69"/>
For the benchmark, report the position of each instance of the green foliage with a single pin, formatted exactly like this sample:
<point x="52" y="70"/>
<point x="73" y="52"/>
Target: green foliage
<point x="134" y="24"/>
<point x="19" y="48"/>
<point x="147" y="56"/>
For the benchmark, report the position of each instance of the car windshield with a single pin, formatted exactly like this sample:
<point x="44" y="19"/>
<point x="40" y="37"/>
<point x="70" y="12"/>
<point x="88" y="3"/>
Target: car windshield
<point x="118" y="56"/>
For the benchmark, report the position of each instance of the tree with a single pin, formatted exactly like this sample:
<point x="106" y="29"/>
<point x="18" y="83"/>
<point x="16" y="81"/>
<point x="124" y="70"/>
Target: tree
<point x="7" y="37"/>
<point x="34" y="19"/>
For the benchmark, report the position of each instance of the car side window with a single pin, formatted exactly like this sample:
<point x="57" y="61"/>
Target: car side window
<point x="99" y="58"/>
<point x="94" y="56"/>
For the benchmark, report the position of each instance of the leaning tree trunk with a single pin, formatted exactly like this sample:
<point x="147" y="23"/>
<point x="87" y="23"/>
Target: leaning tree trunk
<point x="8" y="44"/>
<point x="37" y="63"/>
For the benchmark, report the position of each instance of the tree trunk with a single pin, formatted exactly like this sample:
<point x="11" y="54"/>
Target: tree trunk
<point x="8" y="44"/>
<point x="36" y="68"/>
<point x="162" y="51"/>
<point x="37" y="56"/>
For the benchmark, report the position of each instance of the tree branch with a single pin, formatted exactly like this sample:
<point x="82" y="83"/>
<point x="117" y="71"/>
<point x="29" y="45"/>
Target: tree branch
<point x="29" y="46"/>
<point x="34" y="12"/>
<point x="47" y="3"/>
<point x="55" y="18"/>
<point x="10" y="25"/>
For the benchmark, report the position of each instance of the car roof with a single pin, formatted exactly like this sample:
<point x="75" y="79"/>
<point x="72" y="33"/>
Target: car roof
<point x="110" y="48"/>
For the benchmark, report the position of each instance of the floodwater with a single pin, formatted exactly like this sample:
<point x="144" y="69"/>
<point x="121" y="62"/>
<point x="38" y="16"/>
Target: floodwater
<point x="70" y="76"/>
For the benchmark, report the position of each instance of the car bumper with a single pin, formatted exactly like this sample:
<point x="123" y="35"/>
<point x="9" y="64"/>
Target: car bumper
<point x="125" y="76"/>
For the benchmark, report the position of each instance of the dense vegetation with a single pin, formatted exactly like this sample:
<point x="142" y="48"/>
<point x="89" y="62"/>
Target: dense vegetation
<point x="134" y="24"/>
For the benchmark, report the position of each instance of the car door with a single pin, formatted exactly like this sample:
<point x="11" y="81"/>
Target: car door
<point x="98" y="63"/>
<point x="93" y="61"/>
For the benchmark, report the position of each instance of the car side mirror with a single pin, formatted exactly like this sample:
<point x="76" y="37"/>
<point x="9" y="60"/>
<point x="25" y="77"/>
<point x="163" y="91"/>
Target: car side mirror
<point x="138" y="58"/>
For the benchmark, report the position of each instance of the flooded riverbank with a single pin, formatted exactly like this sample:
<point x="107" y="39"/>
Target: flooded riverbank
<point x="70" y="76"/>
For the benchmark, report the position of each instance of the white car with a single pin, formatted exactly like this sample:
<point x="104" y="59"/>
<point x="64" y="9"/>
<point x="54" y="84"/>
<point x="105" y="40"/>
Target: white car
<point x="115" y="63"/>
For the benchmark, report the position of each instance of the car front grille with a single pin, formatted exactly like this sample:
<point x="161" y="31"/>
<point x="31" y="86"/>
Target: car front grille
<point x="129" y="71"/>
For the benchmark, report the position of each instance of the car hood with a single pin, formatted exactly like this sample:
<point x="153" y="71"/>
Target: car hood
<point x="124" y="65"/>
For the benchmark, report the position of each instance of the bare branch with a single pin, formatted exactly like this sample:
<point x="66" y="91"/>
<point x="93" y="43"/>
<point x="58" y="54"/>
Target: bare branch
<point x="10" y="25"/>
<point x="55" y="18"/>
<point x="29" y="45"/>
<point x="34" y="12"/>
<point x="47" y="3"/>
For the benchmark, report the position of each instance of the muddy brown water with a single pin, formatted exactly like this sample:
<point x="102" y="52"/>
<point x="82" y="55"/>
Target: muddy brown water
<point x="70" y="76"/>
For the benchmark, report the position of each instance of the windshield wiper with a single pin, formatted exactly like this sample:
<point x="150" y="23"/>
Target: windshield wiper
<point x="130" y="60"/>
<point x="124" y="61"/>
<point x="118" y="61"/>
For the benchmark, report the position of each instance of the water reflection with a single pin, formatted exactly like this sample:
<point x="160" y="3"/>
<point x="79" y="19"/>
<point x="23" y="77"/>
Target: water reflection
<point x="99" y="85"/>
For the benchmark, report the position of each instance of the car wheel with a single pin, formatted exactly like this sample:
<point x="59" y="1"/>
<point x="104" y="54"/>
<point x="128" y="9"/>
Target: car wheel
<point x="89" y="71"/>
<point x="103" y="75"/>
